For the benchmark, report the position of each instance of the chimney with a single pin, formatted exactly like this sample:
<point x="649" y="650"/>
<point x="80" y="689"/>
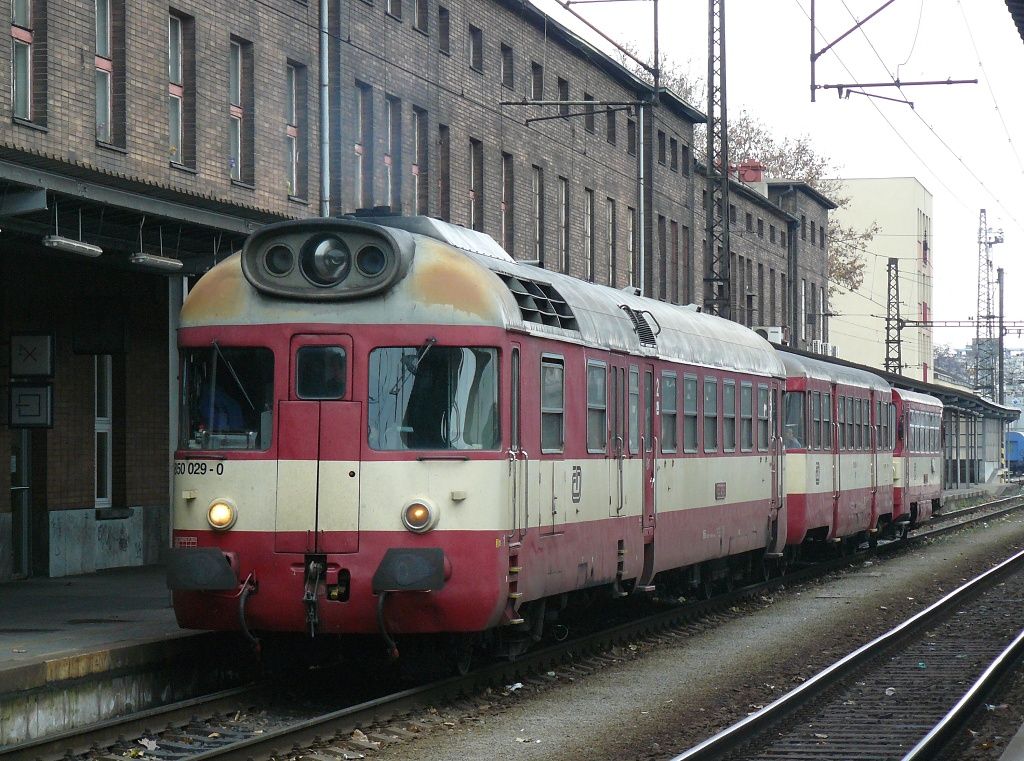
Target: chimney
<point x="751" y="170"/>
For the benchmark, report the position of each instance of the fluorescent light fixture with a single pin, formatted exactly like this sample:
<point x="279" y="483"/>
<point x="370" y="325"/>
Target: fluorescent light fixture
<point x="72" y="246"/>
<point x="154" y="262"/>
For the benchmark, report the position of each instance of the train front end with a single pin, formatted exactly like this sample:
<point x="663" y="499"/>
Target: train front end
<point x="339" y="463"/>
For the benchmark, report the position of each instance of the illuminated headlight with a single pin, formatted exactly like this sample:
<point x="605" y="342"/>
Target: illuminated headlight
<point x="221" y="515"/>
<point x="419" y="516"/>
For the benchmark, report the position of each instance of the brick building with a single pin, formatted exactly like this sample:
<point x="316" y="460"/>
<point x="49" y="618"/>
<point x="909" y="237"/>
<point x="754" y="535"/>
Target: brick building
<point x="200" y="121"/>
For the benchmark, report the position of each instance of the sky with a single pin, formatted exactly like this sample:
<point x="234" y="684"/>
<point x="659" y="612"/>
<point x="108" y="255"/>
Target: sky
<point x="964" y="143"/>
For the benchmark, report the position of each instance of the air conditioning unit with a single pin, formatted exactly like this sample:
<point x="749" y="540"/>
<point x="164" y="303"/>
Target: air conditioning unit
<point x="772" y="333"/>
<point x="833" y="350"/>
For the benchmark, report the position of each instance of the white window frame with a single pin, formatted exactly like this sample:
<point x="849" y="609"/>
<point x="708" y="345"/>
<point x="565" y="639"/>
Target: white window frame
<point x="18" y="85"/>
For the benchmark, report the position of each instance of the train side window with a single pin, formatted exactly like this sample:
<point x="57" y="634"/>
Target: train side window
<point x="634" y="409"/>
<point x="816" y="419"/>
<point x="826" y="421"/>
<point x="710" y="415"/>
<point x="597" y="407"/>
<point x="320" y="372"/>
<point x="892" y="425"/>
<point x="764" y="417"/>
<point x="729" y="416"/>
<point x="615" y="407"/>
<point x="689" y="413"/>
<point x="552" y="404"/>
<point x="669" y="405"/>
<point x="851" y="442"/>
<point x="649" y="409"/>
<point x="878" y="425"/>
<point x="858" y="427"/>
<point x="515" y="444"/>
<point x="841" y="420"/>
<point x="793" y="421"/>
<point x="746" y="417"/>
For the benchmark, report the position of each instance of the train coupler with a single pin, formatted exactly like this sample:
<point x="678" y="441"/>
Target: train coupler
<point x="314" y="573"/>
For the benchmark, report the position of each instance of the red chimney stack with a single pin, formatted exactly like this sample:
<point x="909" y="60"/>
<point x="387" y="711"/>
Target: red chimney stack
<point x="751" y="170"/>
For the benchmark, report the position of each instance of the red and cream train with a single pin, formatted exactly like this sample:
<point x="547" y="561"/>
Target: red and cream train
<point x="391" y="426"/>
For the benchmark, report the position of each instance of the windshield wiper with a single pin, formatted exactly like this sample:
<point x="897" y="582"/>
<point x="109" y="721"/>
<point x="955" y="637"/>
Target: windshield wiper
<point x="234" y="374"/>
<point x="411" y="363"/>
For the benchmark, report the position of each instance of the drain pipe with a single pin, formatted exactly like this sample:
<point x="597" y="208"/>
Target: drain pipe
<point x="325" y="119"/>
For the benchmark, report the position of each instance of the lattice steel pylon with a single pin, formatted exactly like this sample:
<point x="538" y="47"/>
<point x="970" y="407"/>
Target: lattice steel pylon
<point x="984" y="338"/>
<point x="717" y="285"/>
<point x="893" y="323"/>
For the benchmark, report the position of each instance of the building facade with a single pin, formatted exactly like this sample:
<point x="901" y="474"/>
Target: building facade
<point x="902" y="208"/>
<point x="197" y="122"/>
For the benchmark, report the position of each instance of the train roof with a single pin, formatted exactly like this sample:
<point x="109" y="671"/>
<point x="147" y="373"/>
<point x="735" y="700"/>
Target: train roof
<point x="457" y="276"/>
<point x="914" y="396"/>
<point x="799" y="366"/>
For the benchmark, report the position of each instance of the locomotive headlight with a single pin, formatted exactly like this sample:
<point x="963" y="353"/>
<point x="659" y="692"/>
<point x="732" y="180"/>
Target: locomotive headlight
<point x="419" y="516"/>
<point x="279" y="260"/>
<point x="222" y="515"/>
<point x="325" y="260"/>
<point x="371" y="261"/>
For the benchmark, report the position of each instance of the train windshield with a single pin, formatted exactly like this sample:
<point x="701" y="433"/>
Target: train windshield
<point x="433" y="397"/>
<point x="226" y="398"/>
<point x="793" y="422"/>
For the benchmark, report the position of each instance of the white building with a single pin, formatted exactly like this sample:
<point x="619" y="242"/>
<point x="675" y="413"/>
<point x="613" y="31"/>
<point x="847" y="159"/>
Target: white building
<point x="902" y="208"/>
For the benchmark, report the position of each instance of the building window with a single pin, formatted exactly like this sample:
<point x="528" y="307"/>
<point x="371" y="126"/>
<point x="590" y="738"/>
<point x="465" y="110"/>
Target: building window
<point x="552" y="404"/>
<point x="507" y="189"/>
<point x="631" y="137"/>
<point x="821" y="242"/>
<point x="588" y="112"/>
<point x="536" y="81"/>
<point x="22" y="76"/>
<point x="28" y="60"/>
<point x="476" y="184"/>
<point x="631" y="243"/>
<point x="674" y="261"/>
<point x="420" y="15"/>
<point x="563" y="224"/>
<point x="771" y="233"/>
<point x="782" y="238"/>
<point x="476" y="48"/>
<point x="240" y="117"/>
<point x="420" y="169"/>
<point x="563" y="94"/>
<point x="444" y="35"/>
<point x="803" y="310"/>
<point x="732" y="214"/>
<point x="103" y="429"/>
<point x="813" y="231"/>
<point x="393" y="158"/>
<point x="610" y="118"/>
<point x="673" y="154"/>
<point x="444" y="179"/>
<point x="538" y="215"/>
<point x="507" y="70"/>
<point x="760" y="227"/>
<point x="803" y="227"/>
<point x="589" y="250"/>
<point x="363" y="148"/>
<point x="661" y="147"/>
<point x="612" y="236"/>
<point x="296" y="129"/>
<point x="684" y="159"/>
<point x="395" y="9"/>
<point x="662" y="257"/>
<point x="104" y="61"/>
<point x="181" y="89"/>
<point x="597" y="407"/>
<point x="750" y="223"/>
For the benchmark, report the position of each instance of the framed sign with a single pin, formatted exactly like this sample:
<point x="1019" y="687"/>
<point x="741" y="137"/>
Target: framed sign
<point x="30" y="405"/>
<point x="32" y="355"/>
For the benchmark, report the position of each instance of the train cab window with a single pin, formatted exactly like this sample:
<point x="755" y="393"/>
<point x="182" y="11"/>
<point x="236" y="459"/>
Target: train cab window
<point x="433" y="397"/>
<point x="710" y="415"/>
<point x="816" y="419"/>
<point x="746" y="417"/>
<point x="227" y="398"/>
<point x="552" y="404"/>
<point x="669" y="406"/>
<point x="320" y="372"/>
<point x="634" y="410"/>
<point x="766" y="413"/>
<point x="793" y="420"/>
<point x="729" y="416"/>
<point x="826" y="421"/>
<point x="689" y="413"/>
<point x="597" y="407"/>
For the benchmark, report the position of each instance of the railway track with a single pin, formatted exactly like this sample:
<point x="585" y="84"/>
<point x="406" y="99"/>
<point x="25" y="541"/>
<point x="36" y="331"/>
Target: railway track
<point x="243" y="724"/>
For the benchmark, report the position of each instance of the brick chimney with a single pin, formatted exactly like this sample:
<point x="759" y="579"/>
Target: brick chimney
<point x="751" y="170"/>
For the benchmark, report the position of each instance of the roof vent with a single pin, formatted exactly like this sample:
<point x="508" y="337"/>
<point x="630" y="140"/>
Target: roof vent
<point x="641" y="326"/>
<point x="540" y="303"/>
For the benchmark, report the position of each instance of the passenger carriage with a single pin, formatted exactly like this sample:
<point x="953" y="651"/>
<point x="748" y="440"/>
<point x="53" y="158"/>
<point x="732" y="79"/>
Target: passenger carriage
<point x="837" y="430"/>
<point x="917" y="458"/>
<point x="500" y="435"/>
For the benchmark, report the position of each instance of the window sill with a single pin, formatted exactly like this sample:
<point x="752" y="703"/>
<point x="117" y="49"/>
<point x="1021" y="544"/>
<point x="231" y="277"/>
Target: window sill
<point x="422" y="30"/>
<point x="444" y="52"/>
<point x="299" y="200"/>
<point x="479" y="71"/>
<point x="393" y="17"/>
<point x="243" y="184"/>
<point x="111" y="147"/>
<point x="30" y="124"/>
<point x="183" y="168"/>
<point x="113" y="513"/>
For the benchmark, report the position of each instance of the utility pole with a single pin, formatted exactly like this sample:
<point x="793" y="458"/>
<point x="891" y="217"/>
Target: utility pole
<point x="893" y="323"/>
<point x="999" y="278"/>
<point x="984" y="338"/>
<point x="717" y="283"/>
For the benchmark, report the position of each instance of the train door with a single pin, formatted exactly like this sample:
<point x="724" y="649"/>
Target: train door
<point x="873" y="443"/>
<point x="320" y="437"/>
<point x="649" y="445"/>
<point x="768" y="406"/>
<point x="21" y="500"/>
<point x="552" y="465"/>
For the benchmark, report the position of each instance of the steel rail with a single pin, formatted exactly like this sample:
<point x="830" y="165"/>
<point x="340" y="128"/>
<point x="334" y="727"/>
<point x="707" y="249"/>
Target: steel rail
<point x="730" y="738"/>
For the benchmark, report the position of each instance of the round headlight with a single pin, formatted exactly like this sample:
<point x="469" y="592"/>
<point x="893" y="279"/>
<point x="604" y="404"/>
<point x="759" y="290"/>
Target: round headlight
<point x="279" y="260"/>
<point x="221" y="515"/>
<point x="371" y="261"/>
<point x="419" y="517"/>
<point x="325" y="261"/>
